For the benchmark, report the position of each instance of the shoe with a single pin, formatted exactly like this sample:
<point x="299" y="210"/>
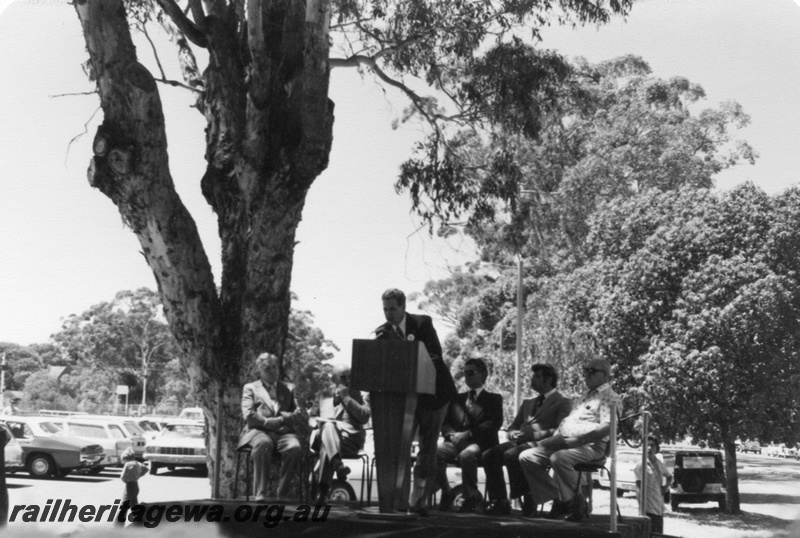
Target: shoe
<point x="559" y="509"/>
<point x="322" y="498"/>
<point x="342" y="471"/>
<point x="420" y="509"/>
<point x="446" y="502"/>
<point x="499" y="508"/>
<point x="528" y="508"/>
<point x="580" y="509"/>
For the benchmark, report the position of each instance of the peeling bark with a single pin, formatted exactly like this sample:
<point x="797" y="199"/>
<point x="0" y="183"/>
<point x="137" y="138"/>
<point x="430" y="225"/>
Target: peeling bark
<point x="268" y="136"/>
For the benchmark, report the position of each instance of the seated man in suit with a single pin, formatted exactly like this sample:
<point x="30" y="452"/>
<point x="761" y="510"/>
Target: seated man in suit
<point x="469" y="429"/>
<point x="341" y="434"/>
<point x="271" y="418"/>
<point x="581" y="437"/>
<point x="536" y="419"/>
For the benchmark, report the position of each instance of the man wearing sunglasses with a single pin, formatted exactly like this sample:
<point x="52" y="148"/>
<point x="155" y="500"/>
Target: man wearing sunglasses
<point x="581" y="437"/>
<point x="470" y="428"/>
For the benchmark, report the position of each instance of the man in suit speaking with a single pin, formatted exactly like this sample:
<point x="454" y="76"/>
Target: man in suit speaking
<point x="271" y="416"/>
<point x="431" y="408"/>
<point x="537" y="419"/>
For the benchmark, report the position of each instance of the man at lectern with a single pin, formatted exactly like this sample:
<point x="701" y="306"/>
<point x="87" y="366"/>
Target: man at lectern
<point x="431" y="408"/>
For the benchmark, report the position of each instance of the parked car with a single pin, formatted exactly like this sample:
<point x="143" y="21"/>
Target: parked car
<point x="192" y="413"/>
<point x="181" y="444"/>
<point x="13" y="451"/>
<point x="698" y="477"/>
<point x="109" y="436"/>
<point x="150" y="426"/>
<point x="751" y="446"/>
<point x="47" y="451"/>
<point x="130" y="430"/>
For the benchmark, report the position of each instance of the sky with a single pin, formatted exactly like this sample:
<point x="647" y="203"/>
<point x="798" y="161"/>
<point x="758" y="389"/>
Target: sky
<point x="65" y="248"/>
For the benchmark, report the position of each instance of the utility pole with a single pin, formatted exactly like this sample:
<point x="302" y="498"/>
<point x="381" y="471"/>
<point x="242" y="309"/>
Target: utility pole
<point x="520" y="316"/>
<point x="3" y="380"/>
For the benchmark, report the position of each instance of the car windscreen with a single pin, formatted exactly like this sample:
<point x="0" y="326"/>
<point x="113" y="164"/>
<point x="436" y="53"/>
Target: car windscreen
<point x="47" y="427"/>
<point x="92" y="431"/>
<point x="183" y="430"/>
<point x="133" y="428"/>
<point x="699" y="462"/>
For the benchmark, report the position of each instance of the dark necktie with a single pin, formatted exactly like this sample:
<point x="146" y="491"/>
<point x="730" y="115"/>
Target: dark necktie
<point x="471" y="399"/>
<point x="399" y="332"/>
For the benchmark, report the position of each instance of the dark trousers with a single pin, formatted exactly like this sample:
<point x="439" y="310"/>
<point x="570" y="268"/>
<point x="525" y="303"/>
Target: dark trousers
<point x="658" y="523"/>
<point x="493" y="461"/>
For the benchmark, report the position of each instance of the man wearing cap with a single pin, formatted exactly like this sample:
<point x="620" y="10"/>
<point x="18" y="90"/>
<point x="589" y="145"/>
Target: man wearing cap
<point x="431" y="408"/>
<point x="537" y="419"/>
<point x="470" y="428"/>
<point x="581" y="437"/>
<point x="341" y="435"/>
<point x="13" y="408"/>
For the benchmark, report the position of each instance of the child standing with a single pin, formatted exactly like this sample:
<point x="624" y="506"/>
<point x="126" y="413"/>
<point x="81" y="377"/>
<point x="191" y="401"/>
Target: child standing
<point x="132" y="470"/>
<point x="653" y="498"/>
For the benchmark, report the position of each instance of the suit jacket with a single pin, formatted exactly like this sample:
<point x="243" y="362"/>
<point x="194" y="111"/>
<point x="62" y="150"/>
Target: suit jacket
<point x="547" y="417"/>
<point x="352" y="414"/>
<point x="483" y="420"/>
<point x="260" y="415"/>
<point x="421" y="328"/>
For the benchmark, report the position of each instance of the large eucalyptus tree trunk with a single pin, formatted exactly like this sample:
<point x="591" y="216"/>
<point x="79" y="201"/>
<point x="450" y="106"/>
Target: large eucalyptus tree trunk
<point x="268" y="136"/>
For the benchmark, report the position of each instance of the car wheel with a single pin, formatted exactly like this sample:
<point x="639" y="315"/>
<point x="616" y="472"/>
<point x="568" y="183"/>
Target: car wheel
<point x="722" y="505"/>
<point x="95" y="471"/>
<point x="620" y="492"/>
<point x="170" y="467"/>
<point x="41" y="466"/>
<point x="154" y="468"/>
<point x="341" y="492"/>
<point x="63" y="473"/>
<point x="458" y="498"/>
<point x="692" y="483"/>
<point x="674" y="503"/>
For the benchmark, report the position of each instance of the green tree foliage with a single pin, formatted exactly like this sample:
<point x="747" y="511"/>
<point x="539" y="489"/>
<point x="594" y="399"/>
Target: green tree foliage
<point x="127" y="336"/>
<point x="610" y="131"/>
<point x="42" y="391"/>
<point x="690" y="295"/>
<point x="21" y="362"/>
<point x="305" y="361"/>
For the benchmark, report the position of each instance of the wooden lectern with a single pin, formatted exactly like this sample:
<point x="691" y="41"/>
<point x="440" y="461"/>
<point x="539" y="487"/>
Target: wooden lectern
<point x="393" y="372"/>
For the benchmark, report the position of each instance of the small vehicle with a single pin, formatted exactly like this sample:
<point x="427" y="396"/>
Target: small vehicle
<point x="181" y="444"/>
<point x="109" y="436"/>
<point x="47" y="451"/>
<point x="698" y="477"/>
<point x="192" y="413"/>
<point x="13" y="451"/>
<point x="130" y="430"/>
<point x="751" y="446"/>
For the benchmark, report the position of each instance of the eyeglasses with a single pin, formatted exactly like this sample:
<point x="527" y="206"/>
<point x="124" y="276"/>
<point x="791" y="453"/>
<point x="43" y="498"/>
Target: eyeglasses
<point x="470" y="372"/>
<point x="591" y="371"/>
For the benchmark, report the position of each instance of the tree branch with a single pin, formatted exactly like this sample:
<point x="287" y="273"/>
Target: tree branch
<point x="189" y="29"/>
